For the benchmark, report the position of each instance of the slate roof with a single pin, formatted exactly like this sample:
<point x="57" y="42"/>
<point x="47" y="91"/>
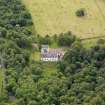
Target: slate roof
<point x="52" y="55"/>
<point x="49" y="55"/>
<point x="52" y="52"/>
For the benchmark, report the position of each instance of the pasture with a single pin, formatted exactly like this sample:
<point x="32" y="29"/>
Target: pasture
<point x="56" y="16"/>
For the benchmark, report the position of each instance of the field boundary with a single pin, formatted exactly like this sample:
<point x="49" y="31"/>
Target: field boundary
<point x="90" y="38"/>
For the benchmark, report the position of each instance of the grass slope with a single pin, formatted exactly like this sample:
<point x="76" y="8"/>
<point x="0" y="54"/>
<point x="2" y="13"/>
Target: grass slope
<point x="56" y="16"/>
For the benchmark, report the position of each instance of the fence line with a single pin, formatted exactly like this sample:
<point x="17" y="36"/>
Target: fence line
<point x="90" y="38"/>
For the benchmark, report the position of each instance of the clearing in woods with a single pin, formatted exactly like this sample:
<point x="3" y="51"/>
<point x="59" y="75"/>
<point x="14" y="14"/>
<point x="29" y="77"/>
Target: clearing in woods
<point x="56" y="16"/>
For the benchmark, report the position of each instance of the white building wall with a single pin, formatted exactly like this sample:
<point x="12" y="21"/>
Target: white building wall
<point x="49" y="59"/>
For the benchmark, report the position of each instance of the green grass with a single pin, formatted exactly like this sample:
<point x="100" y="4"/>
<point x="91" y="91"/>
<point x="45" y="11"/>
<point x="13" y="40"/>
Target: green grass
<point x="49" y="69"/>
<point x="89" y="43"/>
<point x="54" y="45"/>
<point x="56" y="16"/>
<point x="35" y="56"/>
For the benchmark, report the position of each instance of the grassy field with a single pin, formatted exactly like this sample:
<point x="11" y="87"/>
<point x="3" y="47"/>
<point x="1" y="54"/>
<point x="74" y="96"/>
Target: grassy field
<point x="56" y="16"/>
<point x="49" y="69"/>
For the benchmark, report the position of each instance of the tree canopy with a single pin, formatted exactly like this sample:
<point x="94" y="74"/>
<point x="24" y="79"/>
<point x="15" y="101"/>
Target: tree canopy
<point x="80" y="77"/>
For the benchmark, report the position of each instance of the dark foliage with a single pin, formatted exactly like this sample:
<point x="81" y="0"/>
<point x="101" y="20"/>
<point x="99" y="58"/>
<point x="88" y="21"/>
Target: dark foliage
<point x="80" y="13"/>
<point x="80" y="79"/>
<point x="66" y="39"/>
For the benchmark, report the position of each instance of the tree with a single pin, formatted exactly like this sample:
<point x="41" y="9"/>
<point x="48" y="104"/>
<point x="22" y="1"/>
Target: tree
<point x="45" y="40"/>
<point x="80" y="13"/>
<point x="66" y="39"/>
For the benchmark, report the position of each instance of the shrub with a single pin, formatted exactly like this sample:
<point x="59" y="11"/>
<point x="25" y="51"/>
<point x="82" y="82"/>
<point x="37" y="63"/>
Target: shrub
<point x="45" y="40"/>
<point x="66" y="39"/>
<point x="80" y="13"/>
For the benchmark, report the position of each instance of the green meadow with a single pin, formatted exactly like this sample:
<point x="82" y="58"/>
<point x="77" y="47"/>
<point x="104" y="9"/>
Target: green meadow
<point x="56" y="16"/>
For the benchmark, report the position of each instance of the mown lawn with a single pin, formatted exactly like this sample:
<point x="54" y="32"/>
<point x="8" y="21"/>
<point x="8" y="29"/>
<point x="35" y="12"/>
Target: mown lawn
<point x="56" y="16"/>
<point x="35" y="56"/>
<point x="49" y="69"/>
